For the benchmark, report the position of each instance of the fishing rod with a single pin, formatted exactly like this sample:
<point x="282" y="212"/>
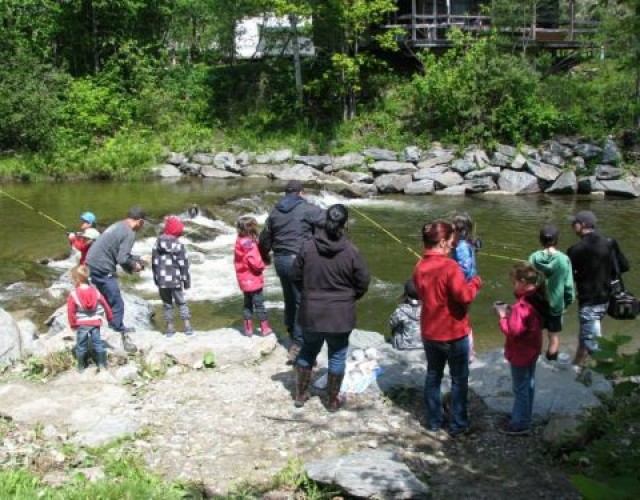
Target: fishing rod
<point x="25" y="204"/>
<point x="395" y="238"/>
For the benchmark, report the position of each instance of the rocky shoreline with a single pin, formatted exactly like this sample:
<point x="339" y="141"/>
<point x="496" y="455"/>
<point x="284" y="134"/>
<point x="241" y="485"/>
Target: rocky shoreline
<point x="561" y="166"/>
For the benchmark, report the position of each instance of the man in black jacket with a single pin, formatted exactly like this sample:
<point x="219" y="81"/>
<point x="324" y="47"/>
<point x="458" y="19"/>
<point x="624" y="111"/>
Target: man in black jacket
<point x="291" y="222"/>
<point x="592" y="262"/>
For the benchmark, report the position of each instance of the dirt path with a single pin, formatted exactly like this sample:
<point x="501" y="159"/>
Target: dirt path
<point x="236" y="423"/>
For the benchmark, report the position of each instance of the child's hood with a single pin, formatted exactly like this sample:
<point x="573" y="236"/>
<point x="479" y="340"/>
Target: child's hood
<point x="87" y="297"/>
<point x="546" y="262"/>
<point x="167" y="244"/>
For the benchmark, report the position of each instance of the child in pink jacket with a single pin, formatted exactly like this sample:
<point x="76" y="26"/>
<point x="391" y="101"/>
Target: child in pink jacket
<point x="249" y="272"/>
<point x="522" y="324"/>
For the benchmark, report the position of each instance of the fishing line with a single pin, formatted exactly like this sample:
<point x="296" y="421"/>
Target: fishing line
<point x="395" y="238"/>
<point x="25" y="204"/>
<point x="386" y="231"/>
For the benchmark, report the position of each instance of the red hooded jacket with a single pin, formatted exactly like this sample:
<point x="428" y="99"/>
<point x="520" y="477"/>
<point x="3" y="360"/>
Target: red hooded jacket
<point x="522" y="328"/>
<point x="249" y="264"/>
<point x="86" y="307"/>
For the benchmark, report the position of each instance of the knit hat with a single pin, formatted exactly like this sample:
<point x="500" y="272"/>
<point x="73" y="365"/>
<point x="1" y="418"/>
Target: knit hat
<point x="88" y="217"/>
<point x="173" y="226"/>
<point x="91" y="234"/>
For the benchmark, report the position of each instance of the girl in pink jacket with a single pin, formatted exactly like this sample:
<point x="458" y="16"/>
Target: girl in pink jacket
<point x="522" y="324"/>
<point x="249" y="272"/>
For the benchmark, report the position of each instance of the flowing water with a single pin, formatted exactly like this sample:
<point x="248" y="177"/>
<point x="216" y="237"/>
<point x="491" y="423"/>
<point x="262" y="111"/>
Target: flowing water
<point x="507" y="225"/>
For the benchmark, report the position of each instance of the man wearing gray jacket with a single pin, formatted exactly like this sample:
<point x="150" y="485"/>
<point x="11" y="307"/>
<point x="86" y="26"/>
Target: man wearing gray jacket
<point x="292" y="221"/>
<point x="111" y="249"/>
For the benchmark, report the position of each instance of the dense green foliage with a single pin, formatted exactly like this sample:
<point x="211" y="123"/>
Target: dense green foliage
<point x="103" y="88"/>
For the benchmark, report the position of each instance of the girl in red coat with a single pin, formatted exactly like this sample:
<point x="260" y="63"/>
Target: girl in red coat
<point x="249" y="272"/>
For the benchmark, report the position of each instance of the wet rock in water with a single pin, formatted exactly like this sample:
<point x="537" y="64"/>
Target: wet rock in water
<point x="9" y="338"/>
<point x="369" y="474"/>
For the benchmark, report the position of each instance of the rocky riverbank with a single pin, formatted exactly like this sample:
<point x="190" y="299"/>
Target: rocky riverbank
<point x="216" y="410"/>
<point x="562" y="166"/>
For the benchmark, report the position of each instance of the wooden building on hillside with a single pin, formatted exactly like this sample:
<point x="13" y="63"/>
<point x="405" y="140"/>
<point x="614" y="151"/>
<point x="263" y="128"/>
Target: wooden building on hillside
<point x="545" y="24"/>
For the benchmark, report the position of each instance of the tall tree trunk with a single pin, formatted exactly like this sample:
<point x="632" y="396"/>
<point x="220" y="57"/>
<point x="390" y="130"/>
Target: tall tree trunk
<point x="293" y="20"/>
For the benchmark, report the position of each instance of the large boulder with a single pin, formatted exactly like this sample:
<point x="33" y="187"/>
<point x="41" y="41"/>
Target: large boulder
<point x="391" y="167"/>
<point x="543" y="171"/>
<point x="392" y="183"/>
<point x="377" y="154"/>
<point x="212" y="172"/>
<point x="566" y="183"/>
<point x="425" y="186"/>
<point x="369" y="474"/>
<point x="436" y="160"/>
<point x="349" y="160"/>
<point x="302" y="173"/>
<point x="315" y="161"/>
<point x="10" y="342"/>
<point x="518" y="182"/>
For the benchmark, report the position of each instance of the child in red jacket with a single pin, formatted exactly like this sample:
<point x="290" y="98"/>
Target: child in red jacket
<point x="249" y="272"/>
<point x="522" y="324"/>
<point x="86" y="308"/>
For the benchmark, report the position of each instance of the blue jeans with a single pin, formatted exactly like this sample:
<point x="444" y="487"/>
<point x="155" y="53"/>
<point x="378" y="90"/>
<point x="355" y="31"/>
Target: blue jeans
<point x="254" y="300"/>
<point x="523" y="380"/>
<point x="107" y="285"/>
<point x="589" y="318"/>
<point x="338" y="344"/>
<point x="83" y="333"/>
<point x="284" y="266"/>
<point x="456" y="355"/>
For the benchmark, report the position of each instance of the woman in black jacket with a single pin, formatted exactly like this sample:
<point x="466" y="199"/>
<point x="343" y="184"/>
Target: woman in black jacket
<point x="332" y="275"/>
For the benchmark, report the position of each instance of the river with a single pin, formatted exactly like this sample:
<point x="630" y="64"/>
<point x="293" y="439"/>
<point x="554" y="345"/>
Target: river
<point x="507" y="225"/>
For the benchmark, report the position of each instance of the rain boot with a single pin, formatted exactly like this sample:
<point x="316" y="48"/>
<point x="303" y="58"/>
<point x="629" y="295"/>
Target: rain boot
<point x="265" y="329"/>
<point x="303" y="378"/>
<point x="334" y="382"/>
<point x="171" y="329"/>
<point x="127" y="345"/>
<point x="102" y="360"/>
<point x="248" y="327"/>
<point x="188" y="329"/>
<point x="82" y="362"/>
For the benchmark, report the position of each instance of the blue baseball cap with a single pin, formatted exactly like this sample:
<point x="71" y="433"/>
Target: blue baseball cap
<point x="88" y="217"/>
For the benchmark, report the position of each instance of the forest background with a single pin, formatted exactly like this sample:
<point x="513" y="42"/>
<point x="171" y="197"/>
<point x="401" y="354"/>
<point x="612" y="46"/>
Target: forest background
<point x="103" y="89"/>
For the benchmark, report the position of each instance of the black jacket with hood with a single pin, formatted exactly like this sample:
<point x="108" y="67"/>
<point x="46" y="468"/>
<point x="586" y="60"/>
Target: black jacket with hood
<point x="291" y="222"/>
<point x="332" y="276"/>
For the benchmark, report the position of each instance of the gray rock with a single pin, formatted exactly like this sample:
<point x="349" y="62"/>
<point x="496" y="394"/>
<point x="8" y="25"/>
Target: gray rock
<point x="610" y="153"/>
<point x="518" y="163"/>
<point x="566" y="183"/>
<point x="447" y="179"/>
<point x="518" y="182"/>
<point x="557" y="391"/>
<point x="10" y="348"/>
<point x="480" y="185"/>
<point x="589" y="184"/>
<point x="500" y="160"/>
<point x="369" y="474"/>
<point x="28" y="337"/>
<point x="190" y="168"/>
<point x="429" y="172"/>
<point x="211" y="172"/>
<point x="348" y="176"/>
<point x="282" y="156"/>
<point x="558" y="149"/>
<point x="202" y="158"/>
<point x="265" y="158"/>
<point x="458" y="190"/>
<point x="578" y="164"/>
<point x="477" y="156"/>
<point x="607" y="173"/>
<point x="506" y="150"/>
<point x="563" y="431"/>
<point x="177" y="159"/>
<point x="225" y="161"/>
<point x="168" y="170"/>
<point x="359" y="190"/>
<point x="425" y="186"/>
<point x="378" y="154"/>
<point x="552" y="159"/>
<point x="391" y="167"/>
<point x="302" y="173"/>
<point x="318" y="162"/>
<point x="435" y="161"/>
<point x="543" y="171"/>
<point x="244" y="158"/>
<point x="493" y="172"/>
<point x="363" y="339"/>
<point x="345" y="161"/>
<point x="587" y="151"/>
<point x="260" y="169"/>
<point x="619" y="187"/>
<point x="530" y="152"/>
<point x="462" y="166"/>
<point x="392" y="183"/>
<point x="412" y="154"/>
<point x="127" y="373"/>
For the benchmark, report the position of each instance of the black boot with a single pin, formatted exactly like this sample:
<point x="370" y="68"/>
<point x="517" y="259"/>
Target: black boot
<point x="102" y="360"/>
<point x="303" y="378"/>
<point x="127" y="345"/>
<point x="334" y="382"/>
<point x="82" y="362"/>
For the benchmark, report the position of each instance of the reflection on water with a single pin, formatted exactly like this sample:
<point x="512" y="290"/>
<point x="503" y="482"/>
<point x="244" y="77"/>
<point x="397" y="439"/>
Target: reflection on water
<point x="508" y="227"/>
